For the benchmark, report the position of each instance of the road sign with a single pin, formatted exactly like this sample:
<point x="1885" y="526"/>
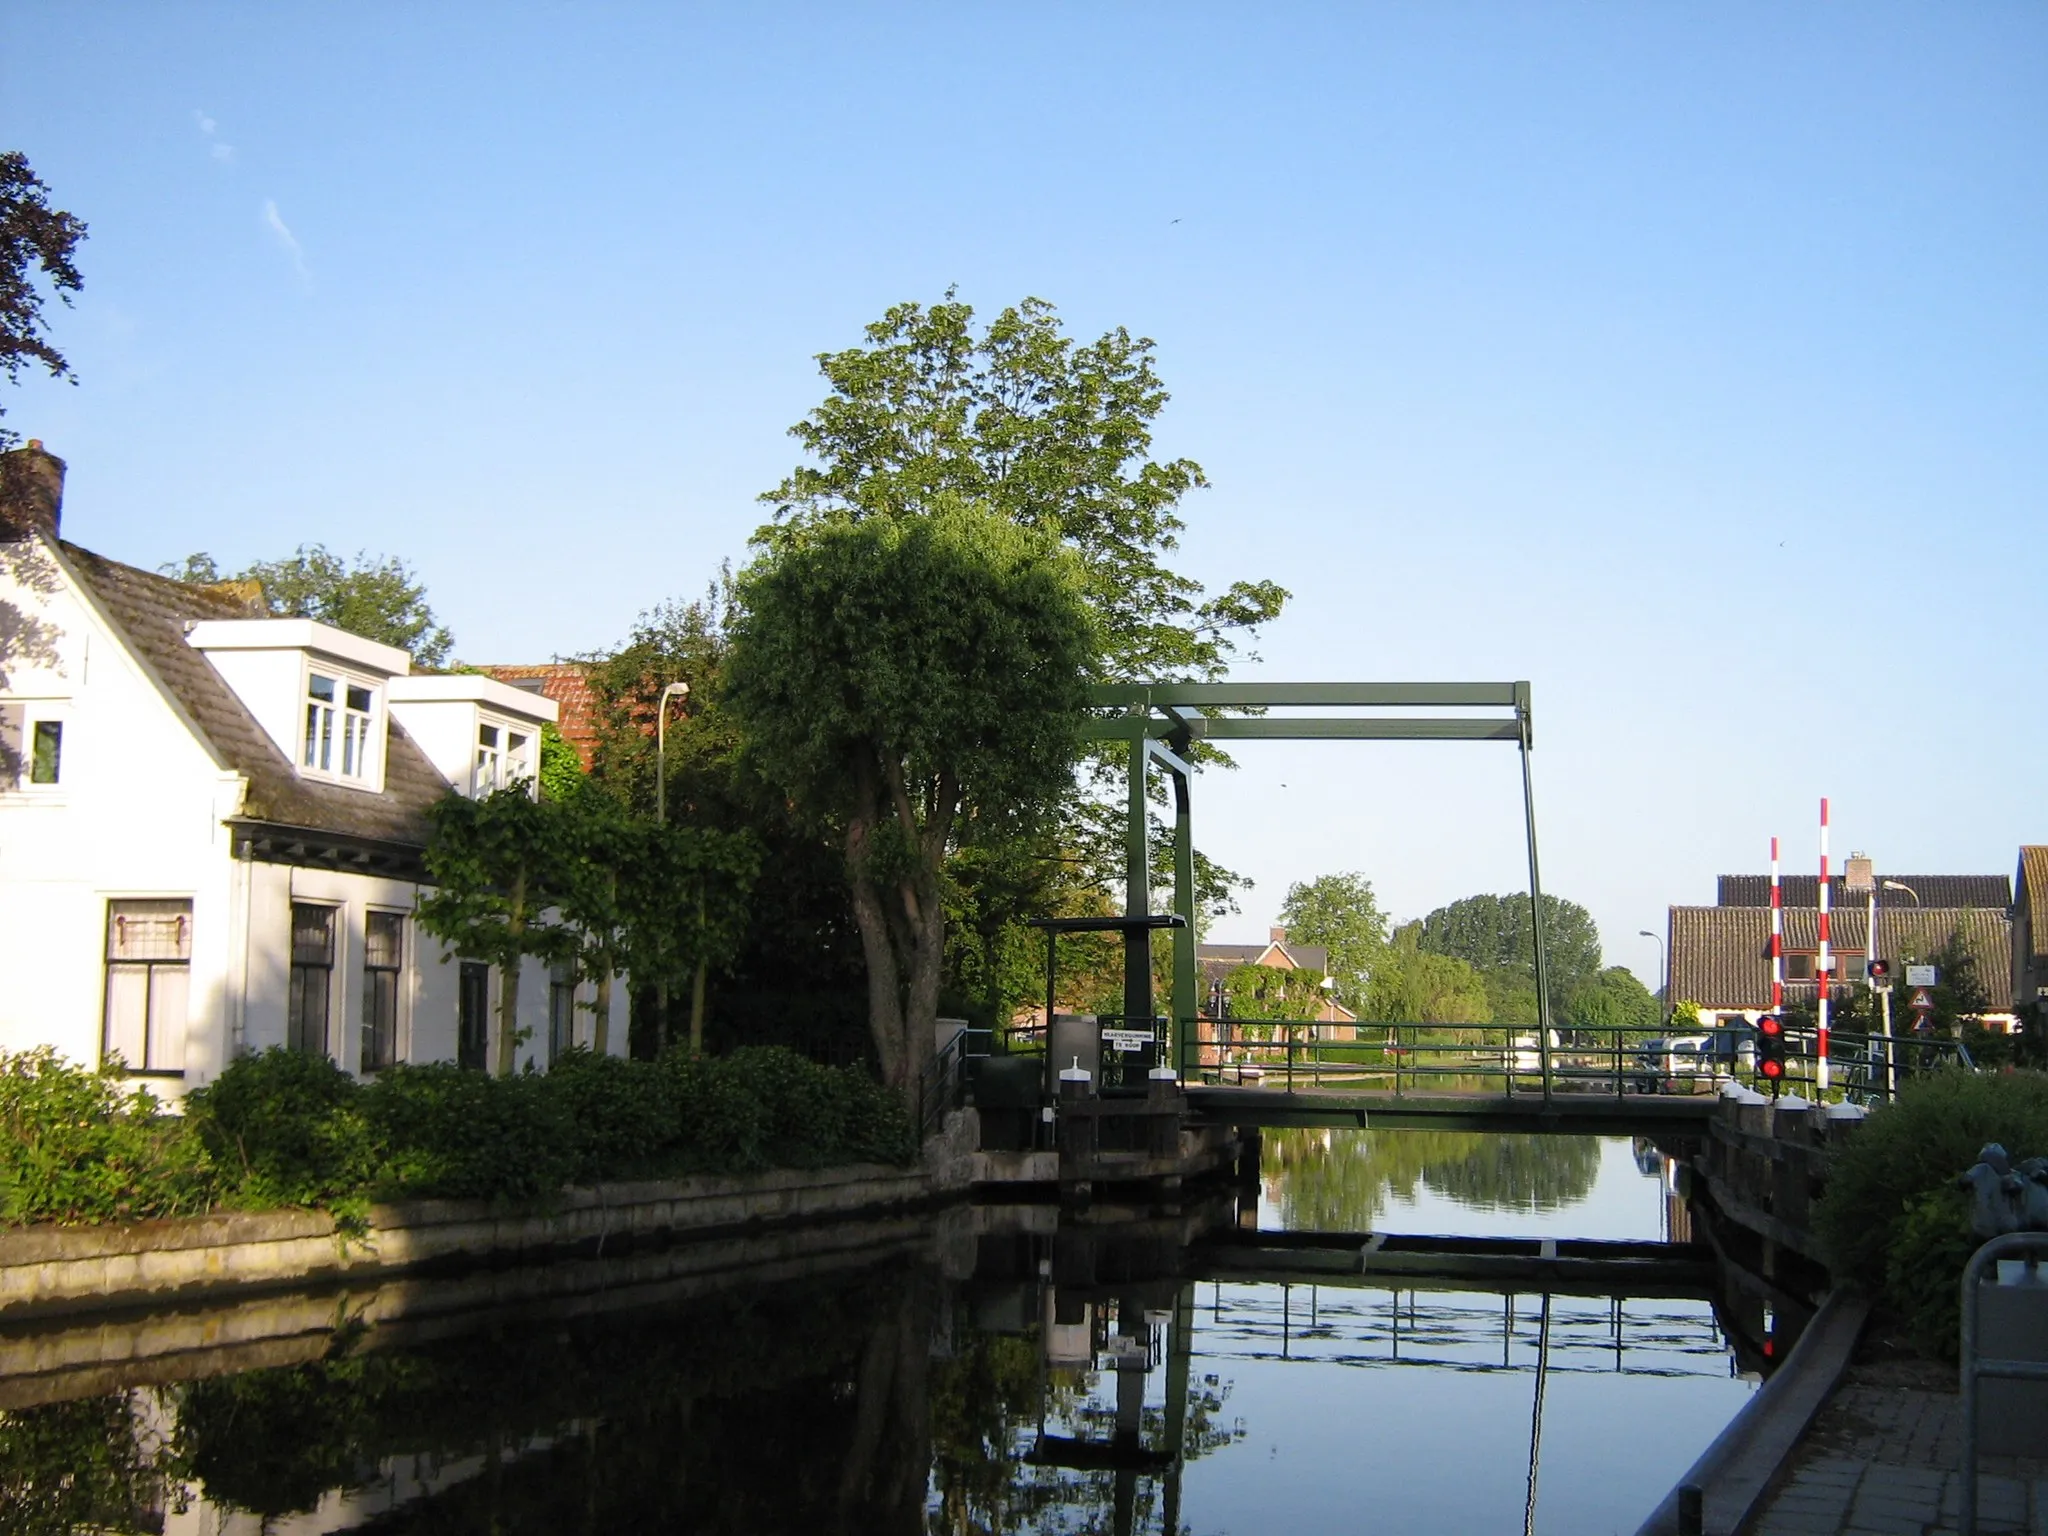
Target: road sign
<point x="1920" y="976"/>
<point x="1127" y="1039"/>
<point x="1922" y="1003"/>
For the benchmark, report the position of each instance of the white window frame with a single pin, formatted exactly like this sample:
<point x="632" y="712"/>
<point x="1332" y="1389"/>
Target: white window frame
<point x="400" y="990"/>
<point x="36" y="712"/>
<point x="500" y="766"/>
<point x="162" y="1057"/>
<point x="344" y="722"/>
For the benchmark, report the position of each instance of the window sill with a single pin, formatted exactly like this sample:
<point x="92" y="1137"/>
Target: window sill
<point x="313" y="776"/>
<point x="162" y="1072"/>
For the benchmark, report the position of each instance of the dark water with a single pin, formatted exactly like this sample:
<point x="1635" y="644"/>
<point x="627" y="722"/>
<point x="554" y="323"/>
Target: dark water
<point x="998" y="1372"/>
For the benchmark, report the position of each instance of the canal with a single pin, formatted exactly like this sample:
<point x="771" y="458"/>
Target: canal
<point x="994" y="1369"/>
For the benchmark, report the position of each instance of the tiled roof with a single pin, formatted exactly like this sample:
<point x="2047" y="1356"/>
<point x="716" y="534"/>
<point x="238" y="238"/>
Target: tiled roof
<point x="150" y="612"/>
<point x="1217" y="959"/>
<point x="1933" y="891"/>
<point x="2033" y="879"/>
<point x="1720" y="956"/>
<point x="568" y="684"/>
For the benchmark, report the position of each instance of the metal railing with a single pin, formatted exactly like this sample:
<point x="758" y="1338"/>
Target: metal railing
<point x="942" y="1086"/>
<point x="1404" y="1058"/>
<point x="2033" y="1247"/>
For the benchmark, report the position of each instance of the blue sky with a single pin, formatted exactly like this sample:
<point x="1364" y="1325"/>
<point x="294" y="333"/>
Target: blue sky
<point x="1690" y="361"/>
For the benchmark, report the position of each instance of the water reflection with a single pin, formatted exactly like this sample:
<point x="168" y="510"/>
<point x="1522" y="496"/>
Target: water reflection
<point x="1327" y="1180"/>
<point x="1016" y="1370"/>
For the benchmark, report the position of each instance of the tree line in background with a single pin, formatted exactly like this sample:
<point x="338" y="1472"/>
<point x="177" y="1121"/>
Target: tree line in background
<point x="1471" y="962"/>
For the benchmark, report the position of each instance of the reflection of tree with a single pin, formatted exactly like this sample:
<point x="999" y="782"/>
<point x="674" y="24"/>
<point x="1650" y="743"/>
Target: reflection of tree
<point x="85" y="1465"/>
<point x="986" y="1405"/>
<point x="1338" y="1181"/>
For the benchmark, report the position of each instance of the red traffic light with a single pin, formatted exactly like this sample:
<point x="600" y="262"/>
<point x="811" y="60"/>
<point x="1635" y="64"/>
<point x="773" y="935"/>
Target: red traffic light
<point x="1770" y="1067"/>
<point x="1770" y="1025"/>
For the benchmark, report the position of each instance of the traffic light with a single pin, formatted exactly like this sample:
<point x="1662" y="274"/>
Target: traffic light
<point x="1880" y="974"/>
<point x="1770" y="1049"/>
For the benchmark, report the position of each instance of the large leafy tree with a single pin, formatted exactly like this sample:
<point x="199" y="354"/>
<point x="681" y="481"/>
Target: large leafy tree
<point x="1055" y="436"/>
<point x="1612" y="999"/>
<point x="1493" y="935"/>
<point x="376" y="596"/>
<point x="1340" y="913"/>
<point x="914" y="684"/>
<point x="1410" y="985"/>
<point x="35" y="238"/>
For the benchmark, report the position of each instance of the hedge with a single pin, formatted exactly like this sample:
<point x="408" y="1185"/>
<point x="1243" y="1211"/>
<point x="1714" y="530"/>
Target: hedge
<point x="1893" y="1221"/>
<point x="280" y="1128"/>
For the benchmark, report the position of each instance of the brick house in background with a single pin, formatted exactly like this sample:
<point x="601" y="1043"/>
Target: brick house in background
<point x="1720" y="956"/>
<point x="1215" y="962"/>
<point x="568" y="684"/>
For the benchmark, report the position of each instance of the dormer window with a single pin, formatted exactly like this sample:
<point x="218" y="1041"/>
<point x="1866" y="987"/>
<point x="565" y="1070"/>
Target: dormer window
<point x="504" y="757"/>
<point x="341" y="714"/>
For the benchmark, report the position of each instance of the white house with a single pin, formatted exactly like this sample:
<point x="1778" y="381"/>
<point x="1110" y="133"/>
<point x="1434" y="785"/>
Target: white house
<point x="212" y="823"/>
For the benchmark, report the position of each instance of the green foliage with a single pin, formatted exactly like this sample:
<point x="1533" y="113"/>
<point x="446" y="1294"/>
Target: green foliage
<point x="1879" y="1185"/>
<point x="561" y="768"/>
<point x="458" y="1135"/>
<point x="1612" y="999"/>
<point x="280" y="1128"/>
<point x="1341" y="914"/>
<point x="914" y="685"/>
<point x="375" y="596"/>
<point x="74" y="1147"/>
<point x="1494" y="934"/>
<point x="1923" y="1270"/>
<point x="32" y="234"/>
<point x="1412" y="986"/>
<point x="286" y="1129"/>
<point x="1013" y="416"/>
<point x="1264" y="992"/>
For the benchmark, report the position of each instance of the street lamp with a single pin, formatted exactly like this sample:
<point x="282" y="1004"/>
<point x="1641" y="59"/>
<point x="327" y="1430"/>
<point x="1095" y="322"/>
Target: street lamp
<point x="672" y="691"/>
<point x="1663" y="969"/>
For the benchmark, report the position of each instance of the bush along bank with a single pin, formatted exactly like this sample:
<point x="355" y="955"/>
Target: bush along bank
<point x="1895" y="1220"/>
<point x="280" y="1128"/>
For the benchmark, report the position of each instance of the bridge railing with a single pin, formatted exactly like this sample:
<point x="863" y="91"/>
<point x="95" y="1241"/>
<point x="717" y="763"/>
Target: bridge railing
<point x="1508" y="1059"/>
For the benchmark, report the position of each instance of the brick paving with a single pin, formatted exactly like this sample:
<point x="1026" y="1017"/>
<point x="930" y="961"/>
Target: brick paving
<point x="1884" y="1459"/>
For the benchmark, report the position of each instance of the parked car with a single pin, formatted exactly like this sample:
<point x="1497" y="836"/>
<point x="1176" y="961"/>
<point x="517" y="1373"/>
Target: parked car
<point x="1661" y="1061"/>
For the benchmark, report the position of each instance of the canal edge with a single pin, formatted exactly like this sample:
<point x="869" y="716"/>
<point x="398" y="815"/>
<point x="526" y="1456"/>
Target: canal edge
<point x="1742" y="1464"/>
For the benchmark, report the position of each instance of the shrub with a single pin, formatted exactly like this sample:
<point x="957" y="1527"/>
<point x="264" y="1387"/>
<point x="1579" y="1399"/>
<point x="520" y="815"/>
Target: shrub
<point x="286" y="1128"/>
<point x="623" y="1116"/>
<point x="467" y="1136"/>
<point x="1891" y="1221"/>
<point x="74" y="1147"/>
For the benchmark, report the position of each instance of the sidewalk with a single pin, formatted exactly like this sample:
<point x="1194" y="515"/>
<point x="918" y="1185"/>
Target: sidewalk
<point x="1884" y="1459"/>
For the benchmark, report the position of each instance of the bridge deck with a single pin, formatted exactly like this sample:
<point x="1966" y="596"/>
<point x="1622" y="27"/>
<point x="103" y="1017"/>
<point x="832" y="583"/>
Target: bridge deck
<point x="1582" y="1114"/>
<point x="1575" y="1265"/>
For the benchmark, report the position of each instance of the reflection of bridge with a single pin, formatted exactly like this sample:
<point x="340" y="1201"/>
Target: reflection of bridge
<point x="1503" y="1264"/>
<point x="1579" y="1114"/>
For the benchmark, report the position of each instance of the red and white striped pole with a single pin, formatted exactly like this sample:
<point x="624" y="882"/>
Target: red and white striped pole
<point x="1777" y="937"/>
<point x="1820" y="964"/>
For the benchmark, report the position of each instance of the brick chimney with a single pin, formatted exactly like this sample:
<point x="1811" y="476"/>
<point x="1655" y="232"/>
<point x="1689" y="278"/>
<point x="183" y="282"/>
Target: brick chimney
<point x="31" y="492"/>
<point x="1859" y="874"/>
<point x="1277" y="935"/>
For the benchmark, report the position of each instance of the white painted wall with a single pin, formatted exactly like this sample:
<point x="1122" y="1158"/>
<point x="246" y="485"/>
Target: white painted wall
<point x="139" y="813"/>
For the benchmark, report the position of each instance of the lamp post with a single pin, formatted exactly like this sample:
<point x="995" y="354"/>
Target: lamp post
<point x="1663" y="969"/>
<point x="672" y="691"/>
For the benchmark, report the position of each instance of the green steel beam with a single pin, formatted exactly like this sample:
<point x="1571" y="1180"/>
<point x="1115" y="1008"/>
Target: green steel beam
<point x="1139" y="727"/>
<point x="1281" y="695"/>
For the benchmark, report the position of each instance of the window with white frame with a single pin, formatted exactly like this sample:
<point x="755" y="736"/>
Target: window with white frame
<point x="341" y="715"/>
<point x="561" y="1009"/>
<point x="312" y="978"/>
<point x="31" y="747"/>
<point x="383" y="960"/>
<point x="149" y="983"/>
<point x="504" y="757"/>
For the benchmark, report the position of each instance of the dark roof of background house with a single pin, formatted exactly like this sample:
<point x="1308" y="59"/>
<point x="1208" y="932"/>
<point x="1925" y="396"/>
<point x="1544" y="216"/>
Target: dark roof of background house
<point x="151" y="613"/>
<point x="1214" y="959"/>
<point x="1933" y="891"/>
<point x="1720" y="956"/>
<point x="2033" y="878"/>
